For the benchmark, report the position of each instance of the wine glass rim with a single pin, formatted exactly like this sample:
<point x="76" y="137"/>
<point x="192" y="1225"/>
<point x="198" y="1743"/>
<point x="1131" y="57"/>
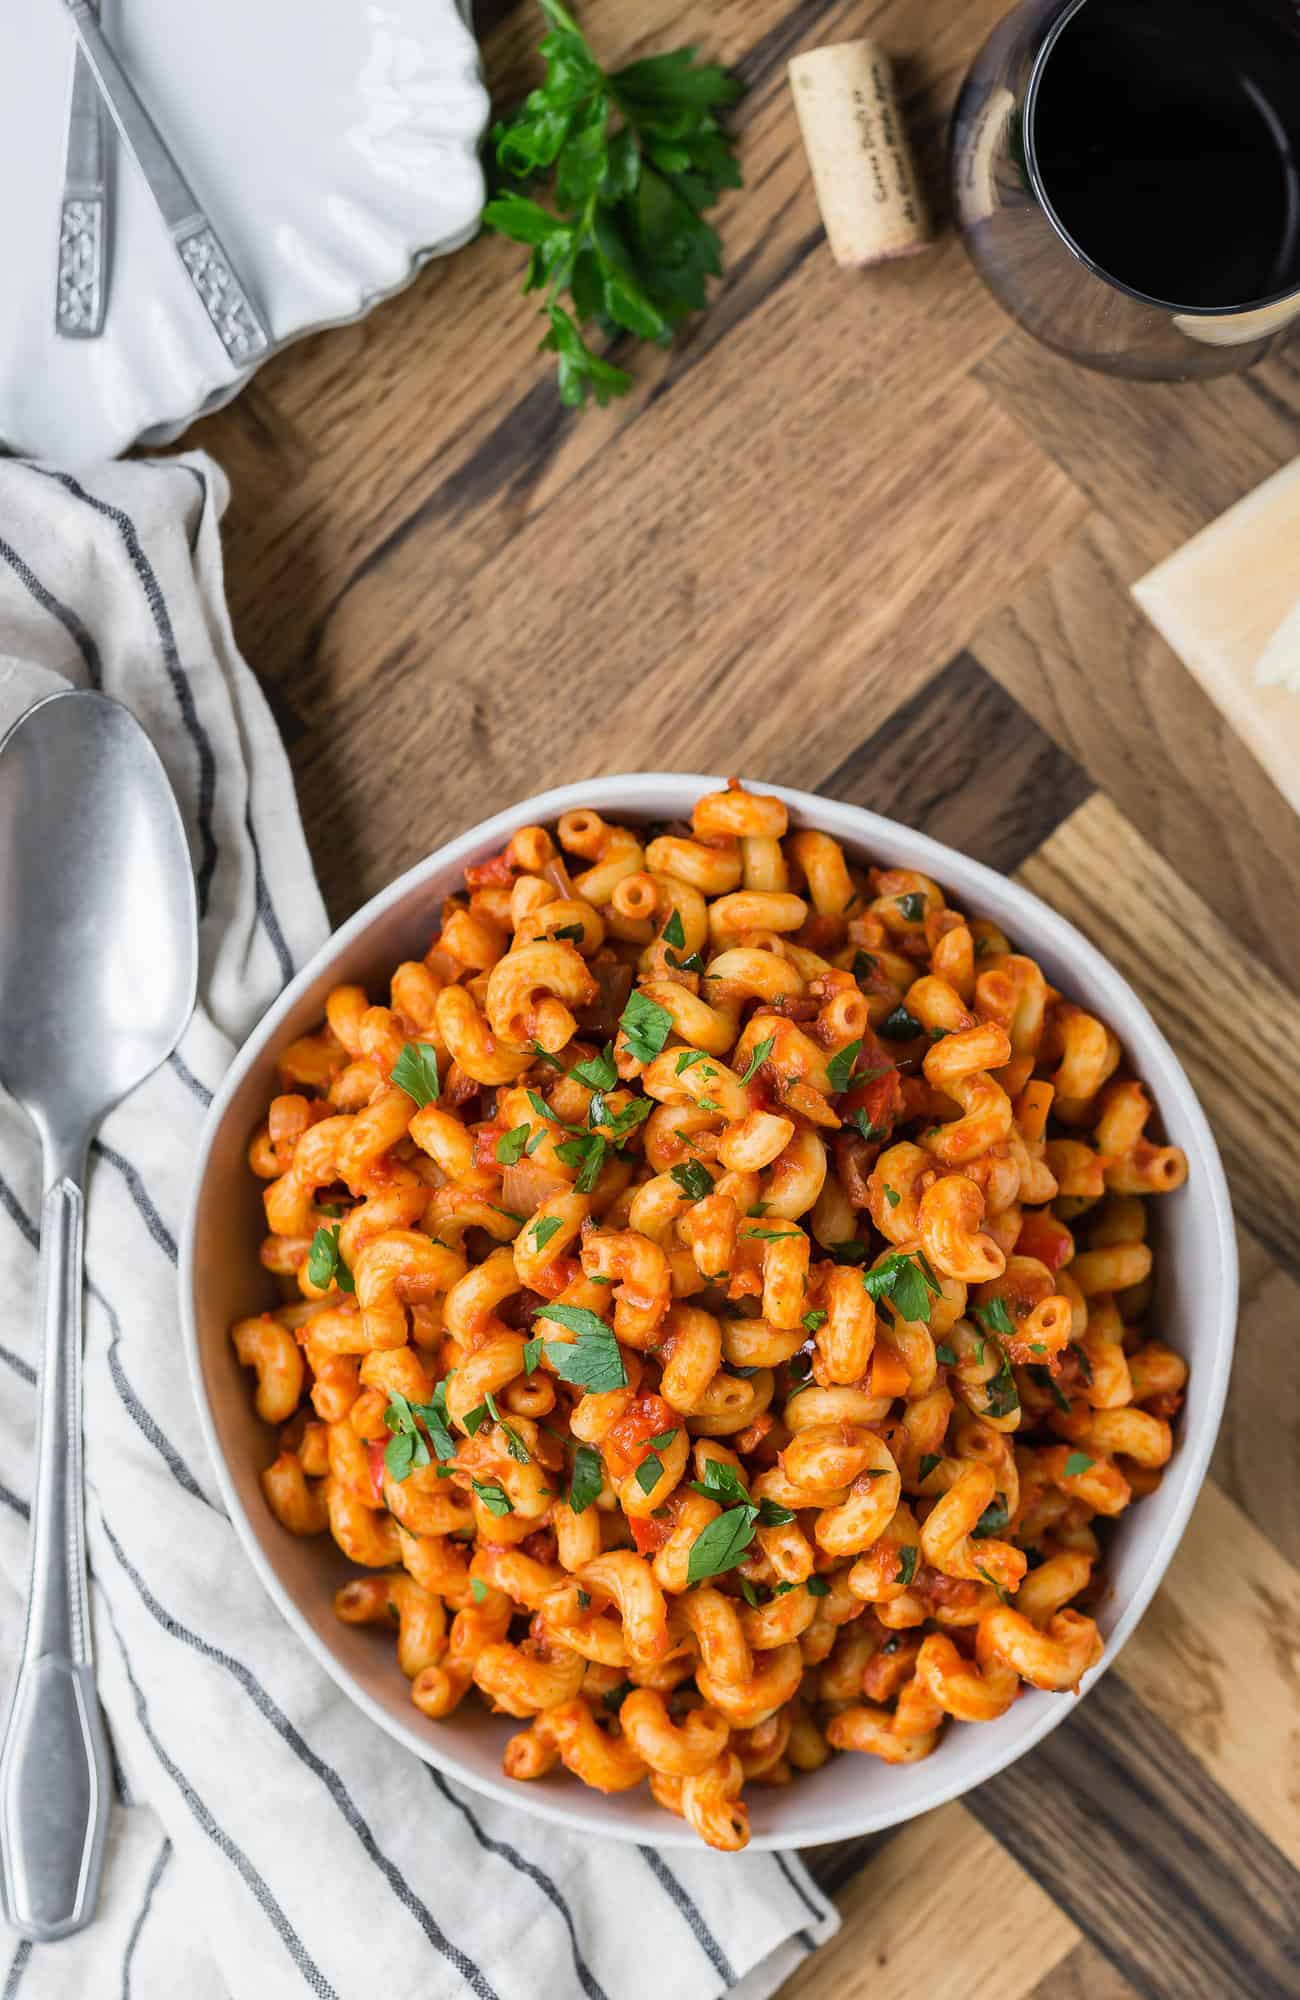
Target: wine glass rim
<point x="1072" y="243"/>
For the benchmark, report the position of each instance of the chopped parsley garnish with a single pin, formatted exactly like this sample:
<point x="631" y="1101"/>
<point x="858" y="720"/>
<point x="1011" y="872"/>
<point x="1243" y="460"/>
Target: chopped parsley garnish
<point x="416" y="1072"/>
<point x="584" y="1599"/>
<point x="573" y="933"/>
<point x="477" y="1589"/>
<point x="721" y="1482"/>
<point x="929" y="1460"/>
<point x="672" y="932"/>
<point x="946" y="1354"/>
<point x="812" y="1320"/>
<point x="995" y="1317"/>
<point x="325" y="1265"/>
<point x="870" y="1132"/>
<point x="510" y="1146"/>
<point x="592" y="1360"/>
<point x="543" y="1229"/>
<point x="613" y="1698"/>
<point x="999" y="1592"/>
<point x="1001" y="1395"/>
<point x="599" y="1072"/>
<point x="406" y="1449"/>
<point x="688" y="1057"/>
<point x="493" y="1495"/>
<point x="893" y="1197"/>
<point x="839" y="1069"/>
<point x="900" y="1026"/>
<point x="863" y="965"/>
<point x="748" y="1592"/>
<point x="994" y="1518"/>
<point x="906" y="1566"/>
<point x="649" y="1472"/>
<point x="772" y="1515"/>
<point x="695" y="1182"/>
<point x="771" y="1235"/>
<point x="762" y="1050"/>
<point x="587" y="1154"/>
<point x="533" y="1355"/>
<point x="903" y="1277"/>
<point x="849" y="1252"/>
<point x="721" y="1545"/>
<point x="912" y="905"/>
<point x="1046" y="1380"/>
<point x="585" y="1485"/>
<point x="1077" y="1462"/>
<point x="646" y="1026"/>
<point x="542" y="1055"/>
<point x="817" y="1586"/>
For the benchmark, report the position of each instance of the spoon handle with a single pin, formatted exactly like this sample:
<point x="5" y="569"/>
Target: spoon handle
<point x="54" y="1768"/>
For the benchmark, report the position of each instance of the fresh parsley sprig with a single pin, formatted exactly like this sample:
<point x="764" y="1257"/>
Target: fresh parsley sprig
<point x="637" y="156"/>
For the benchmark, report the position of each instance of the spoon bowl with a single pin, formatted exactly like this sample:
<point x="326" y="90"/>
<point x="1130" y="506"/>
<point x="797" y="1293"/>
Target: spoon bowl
<point x="98" y="968"/>
<point x="98" y="939"/>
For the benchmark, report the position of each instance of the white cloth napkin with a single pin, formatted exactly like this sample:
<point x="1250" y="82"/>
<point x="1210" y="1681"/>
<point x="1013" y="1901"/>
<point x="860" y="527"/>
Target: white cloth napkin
<point x="268" y="1840"/>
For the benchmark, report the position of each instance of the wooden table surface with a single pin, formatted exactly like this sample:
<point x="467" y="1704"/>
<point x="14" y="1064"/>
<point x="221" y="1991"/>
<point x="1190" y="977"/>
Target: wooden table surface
<point x="857" y="534"/>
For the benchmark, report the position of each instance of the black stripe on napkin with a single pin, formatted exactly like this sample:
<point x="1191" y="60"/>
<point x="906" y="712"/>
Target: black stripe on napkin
<point x="301" y="1749"/>
<point x="66" y="616"/>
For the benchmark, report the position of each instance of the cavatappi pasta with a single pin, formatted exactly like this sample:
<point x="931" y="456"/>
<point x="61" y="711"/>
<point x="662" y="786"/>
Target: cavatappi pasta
<point x="712" y="1311"/>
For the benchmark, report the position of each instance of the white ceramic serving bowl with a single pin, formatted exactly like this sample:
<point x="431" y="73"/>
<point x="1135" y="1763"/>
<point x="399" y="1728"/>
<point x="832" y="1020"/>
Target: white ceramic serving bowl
<point x="221" y="1280"/>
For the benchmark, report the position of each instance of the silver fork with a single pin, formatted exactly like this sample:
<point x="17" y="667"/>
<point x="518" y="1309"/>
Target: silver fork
<point x="81" y="292"/>
<point x="207" y="264"/>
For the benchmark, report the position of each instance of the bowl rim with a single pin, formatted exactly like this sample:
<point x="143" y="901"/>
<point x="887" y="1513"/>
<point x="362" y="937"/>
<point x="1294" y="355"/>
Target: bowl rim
<point x="996" y="895"/>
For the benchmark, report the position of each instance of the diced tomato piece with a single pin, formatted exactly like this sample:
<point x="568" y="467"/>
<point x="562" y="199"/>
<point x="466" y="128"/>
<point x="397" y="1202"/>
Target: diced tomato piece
<point x="889" y="1373"/>
<point x="375" y="1449"/>
<point x="650" y="1534"/>
<point x="496" y="870"/>
<point x="485" y="1147"/>
<point x="881" y="1099"/>
<point x="551" y="1280"/>
<point x="1043" y="1237"/>
<point x="627" y="1441"/>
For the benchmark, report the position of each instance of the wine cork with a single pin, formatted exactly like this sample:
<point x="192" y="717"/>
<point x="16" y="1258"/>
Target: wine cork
<point x="862" y="166"/>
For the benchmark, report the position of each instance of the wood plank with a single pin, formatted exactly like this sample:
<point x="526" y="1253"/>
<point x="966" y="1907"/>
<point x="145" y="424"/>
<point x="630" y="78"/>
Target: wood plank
<point x="1160" y="458"/>
<point x="927" y="766"/>
<point x="1151" y="1860"/>
<point x="1234" y="1706"/>
<point x="1086" y="1974"/>
<point x="1234" y="1025"/>
<point x="1076" y="651"/>
<point x="899" y="1938"/>
<point x="1257" y="1459"/>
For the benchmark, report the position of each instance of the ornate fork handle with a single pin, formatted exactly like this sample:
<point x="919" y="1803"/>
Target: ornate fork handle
<point x="208" y="265"/>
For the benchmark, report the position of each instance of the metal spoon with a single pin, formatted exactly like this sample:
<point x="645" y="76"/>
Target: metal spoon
<point x="98" y="963"/>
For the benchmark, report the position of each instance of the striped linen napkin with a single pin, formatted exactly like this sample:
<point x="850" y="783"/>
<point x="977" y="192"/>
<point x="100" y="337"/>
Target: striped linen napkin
<point x="267" y="1840"/>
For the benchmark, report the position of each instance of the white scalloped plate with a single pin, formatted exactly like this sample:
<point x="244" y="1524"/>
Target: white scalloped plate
<point x="334" y="144"/>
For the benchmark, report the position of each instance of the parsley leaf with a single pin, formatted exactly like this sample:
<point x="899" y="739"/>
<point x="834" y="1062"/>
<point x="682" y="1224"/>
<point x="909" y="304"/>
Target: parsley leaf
<point x="946" y="1354"/>
<point x="748" y="1592"/>
<point x="771" y="1235"/>
<point x="599" y="1073"/>
<point x="416" y="1072"/>
<point x="812" y="1320"/>
<point x="543" y="1229"/>
<point x="997" y="1587"/>
<point x="637" y="157"/>
<point x="593" y="1360"/>
<point x="406" y="1448"/>
<point x="573" y="933"/>
<point x="1046" y="1380"/>
<point x="906" y="1565"/>
<point x="900" y="1026"/>
<point x="494" y="1496"/>
<point x="817" y="1586"/>
<point x="510" y="1146"/>
<point x="863" y="965"/>
<point x="840" y="1067"/>
<point x="772" y="1515"/>
<point x="929" y="1460"/>
<point x="869" y="1131"/>
<point x="848" y="1252"/>
<point x="646" y="1026"/>
<point x="995" y="1317"/>
<point x="721" y="1545"/>
<point x="585" y="1485"/>
<point x="1001" y="1395"/>
<point x="902" y="1277"/>
<point x="649" y="1472"/>
<point x="542" y="1055"/>
<point x="1077" y="1462"/>
<point x="994" y="1518"/>
<point x="325" y="1265"/>
<point x="893" y="1197"/>
<point x="533" y="1354"/>
<point x="912" y="905"/>
<point x="689" y="1056"/>
<point x="672" y="932"/>
<point x="695" y="1182"/>
<point x="762" y="1050"/>
<point x="721" y="1482"/>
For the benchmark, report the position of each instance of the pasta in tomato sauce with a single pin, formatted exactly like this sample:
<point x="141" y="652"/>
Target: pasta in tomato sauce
<point x="712" y="1301"/>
